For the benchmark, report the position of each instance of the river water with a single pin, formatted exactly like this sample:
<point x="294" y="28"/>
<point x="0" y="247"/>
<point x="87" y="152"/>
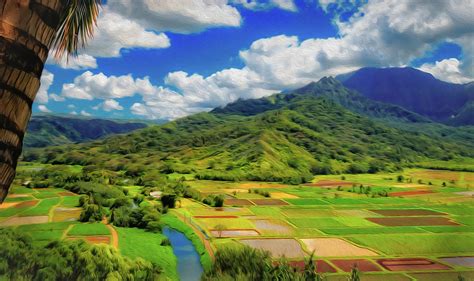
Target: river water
<point x="189" y="264"/>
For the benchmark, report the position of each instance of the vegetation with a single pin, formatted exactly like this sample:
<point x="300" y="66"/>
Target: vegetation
<point x="56" y="130"/>
<point x="76" y="260"/>
<point x="328" y="139"/>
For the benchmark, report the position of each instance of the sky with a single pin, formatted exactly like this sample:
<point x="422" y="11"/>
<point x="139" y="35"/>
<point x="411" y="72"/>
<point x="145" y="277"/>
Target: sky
<point x="166" y="59"/>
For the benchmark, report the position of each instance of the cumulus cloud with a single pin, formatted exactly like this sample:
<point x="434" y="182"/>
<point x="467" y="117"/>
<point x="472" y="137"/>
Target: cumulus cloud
<point x="46" y="81"/>
<point x="85" y="113"/>
<point x="447" y="70"/>
<point x="109" y="105"/>
<point x="116" y="32"/>
<point x="81" y="61"/>
<point x="88" y="86"/>
<point x="56" y="98"/>
<point x="288" y="5"/>
<point x="43" y="108"/>
<point x="183" y="16"/>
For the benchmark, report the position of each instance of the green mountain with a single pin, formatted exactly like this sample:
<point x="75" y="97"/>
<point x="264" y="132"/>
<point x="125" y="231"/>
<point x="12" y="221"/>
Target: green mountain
<point x="286" y="138"/>
<point x="56" y="130"/>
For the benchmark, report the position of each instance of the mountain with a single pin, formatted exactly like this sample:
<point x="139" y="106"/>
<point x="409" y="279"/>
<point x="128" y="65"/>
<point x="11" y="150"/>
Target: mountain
<point x="416" y="91"/>
<point x="56" y="130"/>
<point x="281" y="138"/>
<point x="330" y="89"/>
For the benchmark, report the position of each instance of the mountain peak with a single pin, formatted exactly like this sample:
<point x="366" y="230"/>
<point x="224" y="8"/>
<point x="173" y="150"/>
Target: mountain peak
<point x="328" y="80"/>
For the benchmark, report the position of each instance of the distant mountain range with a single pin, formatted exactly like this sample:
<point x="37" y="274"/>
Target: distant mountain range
<point x="416" y="91"/>
<point x="318" y="129"/>
<point x="56" y="130"/>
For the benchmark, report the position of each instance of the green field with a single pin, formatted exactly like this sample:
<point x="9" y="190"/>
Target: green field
<point x="134" y="243"/>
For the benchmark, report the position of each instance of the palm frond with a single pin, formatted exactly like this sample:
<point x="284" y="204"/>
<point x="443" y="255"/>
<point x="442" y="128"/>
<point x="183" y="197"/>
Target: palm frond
<point x="76" y="26"/>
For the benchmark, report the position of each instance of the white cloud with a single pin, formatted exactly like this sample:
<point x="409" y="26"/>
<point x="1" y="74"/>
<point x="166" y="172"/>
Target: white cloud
<point x="88" y="86"/>
<point x="447" y="70"/>
<point x="43" y="108"/>
<point x="288" y="5"/>
<point x="115" y="32"/>
<point x="46" y="81"/>
<point x="81" y="61"/>
<point x="183" y="16"/>
<point x="109" y="105"/>
<point x="85" y="113"/>
<point x="56" y="98"/>
<point x="71" y="106"/>
<point x="73" y="112"/>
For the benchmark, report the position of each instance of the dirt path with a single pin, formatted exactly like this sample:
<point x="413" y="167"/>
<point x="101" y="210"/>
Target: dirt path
<point x="114" y="235"/>
<point x="205" y="241"/>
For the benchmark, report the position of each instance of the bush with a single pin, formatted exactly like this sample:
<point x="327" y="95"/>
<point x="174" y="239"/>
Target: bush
<point x="67" y="260"/>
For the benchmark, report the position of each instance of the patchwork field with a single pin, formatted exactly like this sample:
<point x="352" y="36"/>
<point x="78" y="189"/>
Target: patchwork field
<point x="419" y="228"/>
<point x="415" y="227"/>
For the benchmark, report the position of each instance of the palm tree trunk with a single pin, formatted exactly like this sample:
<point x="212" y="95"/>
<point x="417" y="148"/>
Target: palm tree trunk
<point x="27" y="29"/>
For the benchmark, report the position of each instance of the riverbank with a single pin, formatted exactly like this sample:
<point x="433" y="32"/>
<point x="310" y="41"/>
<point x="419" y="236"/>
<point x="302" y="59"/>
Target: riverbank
<point x="174" y="222"/>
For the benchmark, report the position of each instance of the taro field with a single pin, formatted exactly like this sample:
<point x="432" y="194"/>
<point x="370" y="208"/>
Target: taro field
<point x="418" y="225"/>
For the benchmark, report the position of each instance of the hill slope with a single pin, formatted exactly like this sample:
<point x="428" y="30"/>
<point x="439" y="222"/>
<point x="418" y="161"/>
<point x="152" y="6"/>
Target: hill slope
<point x="309" y="134"/>
<point x="55" y="130"/>
<point x="414" y="90"/>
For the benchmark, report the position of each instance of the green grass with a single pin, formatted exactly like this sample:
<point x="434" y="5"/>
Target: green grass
<point x="266" y="211"/>
<point x="419" y="244"/>
<point x="372" y="230"/>
<point x="466" y="220"/>
<point x="17" y="189"/>
<point x="173" y="222"/>
<point x="70" y="201"/>
<point x="45" y="226"/>
<point x="134" y="243"/>
<point x="316" y="222"/>
<point x="45" y="194"/>
<point x="12" y="211"/>
<point x="85" y="229"/>
<point x="448" y="229"/>
<point x="338" y="222"/>
<point x="42" y="208"/>
<point x="306" y="202"/>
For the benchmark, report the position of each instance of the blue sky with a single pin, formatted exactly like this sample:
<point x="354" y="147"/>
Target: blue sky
<point x="169" y="59"/>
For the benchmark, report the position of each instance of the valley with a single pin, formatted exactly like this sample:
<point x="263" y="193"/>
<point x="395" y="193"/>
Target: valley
<point x="392" y="226"/>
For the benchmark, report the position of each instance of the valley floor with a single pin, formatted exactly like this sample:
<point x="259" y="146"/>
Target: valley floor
<point x="417" y="225"/>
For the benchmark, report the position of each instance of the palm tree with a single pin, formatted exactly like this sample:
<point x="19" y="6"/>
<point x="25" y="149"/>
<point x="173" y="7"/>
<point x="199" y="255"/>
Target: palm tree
<point x="28" y="30"/>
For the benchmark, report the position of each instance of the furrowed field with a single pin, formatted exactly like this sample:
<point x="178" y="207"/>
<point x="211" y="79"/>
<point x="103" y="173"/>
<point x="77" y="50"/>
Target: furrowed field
<point x="413" y="225"/>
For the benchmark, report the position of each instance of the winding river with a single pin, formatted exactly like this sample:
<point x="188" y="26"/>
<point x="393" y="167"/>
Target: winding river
<point x="189" y="264"/>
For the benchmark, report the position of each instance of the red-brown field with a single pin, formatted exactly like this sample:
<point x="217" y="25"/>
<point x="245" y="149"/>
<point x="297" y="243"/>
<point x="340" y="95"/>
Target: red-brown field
<point x="269" y="202"/>
<point x="362" y="265"/>
<point x="407" y="212"/>
<point x="289" y="248"/>
<point x="411" y="264"/>
<point x="26" y="204"/>
<point x="330" y="183"/>
<point x="412" y="221"/>
<point x="228" y="233"/>
<point x="99" y="239"/>
<point x="24" y="220"/>
<point x="409" y="193"/>
<point x="216" y="217"/>
<point x="237" y="202"/>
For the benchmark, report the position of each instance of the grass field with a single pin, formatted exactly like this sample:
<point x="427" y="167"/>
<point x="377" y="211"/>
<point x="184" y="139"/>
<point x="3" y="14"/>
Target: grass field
<point x="138" y="243"/>
<point x="85" y="229"/>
